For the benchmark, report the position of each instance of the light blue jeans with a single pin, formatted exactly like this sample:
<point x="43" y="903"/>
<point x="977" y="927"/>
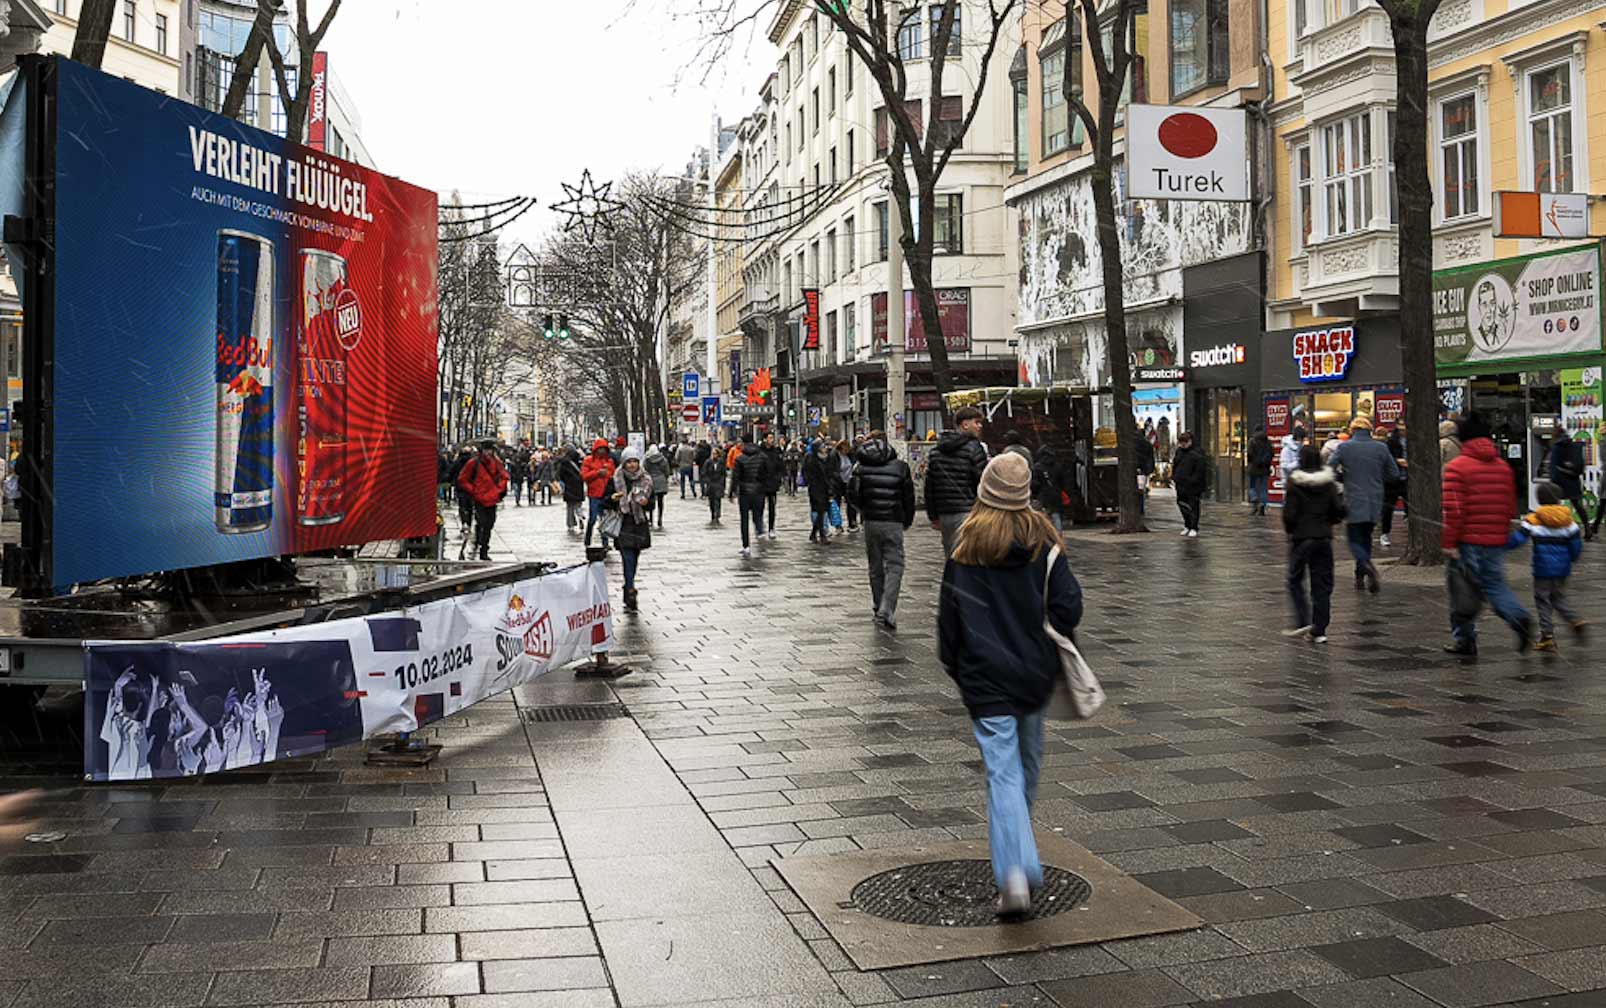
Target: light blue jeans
<point x="1487" y="565"/>
<point x="1012" y="750"/>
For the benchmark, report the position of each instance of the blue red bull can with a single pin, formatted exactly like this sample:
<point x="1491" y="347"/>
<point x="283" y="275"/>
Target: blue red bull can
<point x="243" y="488"/>
<point x="329" y="324"/>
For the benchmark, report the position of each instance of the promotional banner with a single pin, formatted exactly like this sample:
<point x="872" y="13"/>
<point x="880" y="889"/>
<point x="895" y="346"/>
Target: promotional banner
<point x="1581" y="413"/>
<point x="1534" y="306"/>
<point x="160" y="709"/>
<point x="953" y="313"/>
<point x="244" y="341"/>
<point x="1279" y="424"/>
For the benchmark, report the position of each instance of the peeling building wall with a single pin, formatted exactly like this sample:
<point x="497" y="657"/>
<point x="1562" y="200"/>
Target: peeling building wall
<point x="1061" y="275"/>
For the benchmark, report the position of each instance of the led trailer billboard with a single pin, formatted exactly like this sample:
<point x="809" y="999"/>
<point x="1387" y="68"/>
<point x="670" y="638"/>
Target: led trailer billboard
<point x="240" y="338"/>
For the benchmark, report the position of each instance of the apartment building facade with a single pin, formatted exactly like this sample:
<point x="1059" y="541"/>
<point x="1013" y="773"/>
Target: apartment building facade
<point x="818" y="203"/>
<point x="1517" y="103"/>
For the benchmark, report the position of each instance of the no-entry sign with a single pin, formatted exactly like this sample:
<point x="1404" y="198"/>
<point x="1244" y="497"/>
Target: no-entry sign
<point x="1181" y="152"/>
<point x="691" y="412"/>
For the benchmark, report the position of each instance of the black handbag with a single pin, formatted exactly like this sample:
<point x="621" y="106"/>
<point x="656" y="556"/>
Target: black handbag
<point x="1466" y="597"/>
<point x="633" y="534"/>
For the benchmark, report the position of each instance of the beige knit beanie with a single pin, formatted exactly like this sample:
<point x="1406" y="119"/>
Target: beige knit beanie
<point x="1006" y="484"/>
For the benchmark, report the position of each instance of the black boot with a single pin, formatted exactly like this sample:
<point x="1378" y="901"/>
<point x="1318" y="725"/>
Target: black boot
<point x="630" y="600"/>
<point x="1466" y="650"/>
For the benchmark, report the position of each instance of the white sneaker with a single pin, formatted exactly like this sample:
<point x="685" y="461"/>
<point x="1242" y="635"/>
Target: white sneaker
<point x="1297" y="631"/>
<point x="747" y="554"/>
<point x="1193" y="533"/>
<point x="1015" y="898"/>
<point x="1319" y="639"/>
<point x="774" y="535"/>
<point x="1383" y="541"/>
<point x="1184" y="533"/>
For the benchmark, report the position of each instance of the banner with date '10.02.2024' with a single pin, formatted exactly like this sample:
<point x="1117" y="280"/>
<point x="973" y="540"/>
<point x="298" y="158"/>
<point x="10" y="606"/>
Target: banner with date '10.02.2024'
<point x="163" y="709"/>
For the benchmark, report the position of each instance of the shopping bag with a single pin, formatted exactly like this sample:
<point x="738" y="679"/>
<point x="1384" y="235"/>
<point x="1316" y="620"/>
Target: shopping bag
<point x="836" y="514"/>
<point x="1466" y="597"/>
<point x="1077" y="693"/>
<point x="610" y="522"/>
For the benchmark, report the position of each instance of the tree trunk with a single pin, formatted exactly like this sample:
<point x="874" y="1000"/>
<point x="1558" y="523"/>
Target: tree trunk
<point x="918" y="253"/>
<point x="249" y="61"/>
<point x="1416" y="282"/>
<point x="1126" y="431"/>
<point x="94" y="28"/>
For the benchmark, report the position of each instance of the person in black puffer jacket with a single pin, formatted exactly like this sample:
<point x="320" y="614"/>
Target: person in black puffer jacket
<point x="952" y="475"/>
<point x="574" y="489"/>
<point x="1312" y="505"/>
<point x="883" y="490"/>
<point x="774" y="476"/>
<point x="1190" y="474"/>
<point x="747" y="489"/>
<point x="820" y="476"/>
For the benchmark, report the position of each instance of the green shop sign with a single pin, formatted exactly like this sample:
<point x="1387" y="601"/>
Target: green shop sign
<point x="1544" y="305"/>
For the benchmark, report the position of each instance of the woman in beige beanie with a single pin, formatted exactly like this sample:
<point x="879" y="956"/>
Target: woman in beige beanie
<point x="991" y="642"/>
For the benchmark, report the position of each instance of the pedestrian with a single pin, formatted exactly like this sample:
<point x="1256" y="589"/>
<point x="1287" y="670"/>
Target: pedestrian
<point x="1046" y="486"/>
<point x="1258" y="465"/>
<point x="793" y="457"/>
<point x="705" y="450"/>
<point x="485" y="479"/>
<point x="1331" y="445"/>
<point x="443" y="475"/>
<point x="1364" y="466"/>
<point x="1557" y="541"/>
<point x="1013" y="442"/>
<point x="1480" y="496"/>
<point x="882" y="489"/>
<point x="991" y="642"/>
<point x="465" y="501"/>
<point x="1567" y="472"/>
<point x="713" y="482"/>
<point x="774" y="475"/>
<point x="1312" y="505"/>
<point x="845" y="462"/>
<point x="748" y="479"/>
<point x="953" y="472"/>
<point x="574" y="488"/>
<point x="520" y="471"/>
<point x="1145" y="467"/>
<point x="820" y="476"/>
<point x="634" y="492"/>
<point x="685" y="462"/>
<point x="597" y="473"/>
<point x="1449" y="444"/>
<point x="1288" y="453"/>
<point x="546" y="473"/>
<point x="1190" y="476"/>
<point x="618" y="452"/>
<point x="657" y="466"/>
<point x="1395" y="491"/>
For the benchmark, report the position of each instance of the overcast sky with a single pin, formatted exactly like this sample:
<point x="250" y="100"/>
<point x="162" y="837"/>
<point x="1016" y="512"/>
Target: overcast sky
<point x="512" y="97"/>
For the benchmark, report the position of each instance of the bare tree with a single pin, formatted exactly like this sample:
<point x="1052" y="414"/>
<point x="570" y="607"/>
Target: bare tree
<point x="246" y="63"/>
<point x="94" y="28"/>
<point x="919" y="138"/>
<point x="307" y="41"/>
<point x="1409" y="21"/>
<point x="1111" y="70"/>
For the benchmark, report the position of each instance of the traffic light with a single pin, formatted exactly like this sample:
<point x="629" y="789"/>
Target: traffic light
<point x="547" y="332"/>
<point x="563" y="327"/>
<point x="791" y="411"/>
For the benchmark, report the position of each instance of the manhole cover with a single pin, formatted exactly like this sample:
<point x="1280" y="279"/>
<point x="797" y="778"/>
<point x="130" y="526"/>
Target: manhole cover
<point x="575" y="712"/>
<point x="959" y="894"/>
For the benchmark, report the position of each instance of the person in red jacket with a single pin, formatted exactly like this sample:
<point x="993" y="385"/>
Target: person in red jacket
<point x="597" y="473"/>
<point x="484" y="479"/>
<point x="1480" y="501"/>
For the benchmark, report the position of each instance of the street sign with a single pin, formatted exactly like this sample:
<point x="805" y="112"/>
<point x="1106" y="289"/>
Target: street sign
<point x="690" y="385"/>
<point x="814" y="416"/>
<point x="711" y="409"/>
<point x="1187" y="152"/>
<point x="691" y="413"/>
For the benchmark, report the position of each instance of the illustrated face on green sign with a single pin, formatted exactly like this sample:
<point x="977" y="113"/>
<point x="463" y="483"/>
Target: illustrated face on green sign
<point x="1535" y="306"/>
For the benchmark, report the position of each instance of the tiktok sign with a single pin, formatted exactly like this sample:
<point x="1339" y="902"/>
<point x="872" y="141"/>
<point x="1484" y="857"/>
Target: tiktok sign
<point x="1187" y="153"/>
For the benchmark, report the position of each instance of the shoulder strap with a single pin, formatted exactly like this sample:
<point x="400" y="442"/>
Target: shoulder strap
<point x="1048" y="574"/>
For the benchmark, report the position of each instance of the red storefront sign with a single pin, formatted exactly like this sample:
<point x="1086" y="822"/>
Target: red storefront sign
<point x="1389" y="408"/>
<point x="1278" y="426"/>
<point x="953" y="314"/>
<point x="811" y="319"/>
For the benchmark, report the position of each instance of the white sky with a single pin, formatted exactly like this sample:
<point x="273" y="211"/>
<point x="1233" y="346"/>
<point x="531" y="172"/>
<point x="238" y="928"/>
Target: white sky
<point x="498" y="98"/>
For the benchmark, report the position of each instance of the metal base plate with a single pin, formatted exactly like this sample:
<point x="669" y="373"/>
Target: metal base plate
<point x="960" y="894"/>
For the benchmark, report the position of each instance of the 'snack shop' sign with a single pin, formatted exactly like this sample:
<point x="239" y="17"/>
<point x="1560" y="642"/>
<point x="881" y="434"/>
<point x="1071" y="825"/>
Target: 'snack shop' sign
<point x="1324" y="355"/>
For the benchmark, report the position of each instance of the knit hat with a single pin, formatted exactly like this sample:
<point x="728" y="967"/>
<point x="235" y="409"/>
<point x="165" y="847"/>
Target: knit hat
<point x="1006" y="484"/>
<point x="631" y="453"/>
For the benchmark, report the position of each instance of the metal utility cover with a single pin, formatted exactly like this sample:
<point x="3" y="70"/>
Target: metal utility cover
<point x="1117" y="908"/>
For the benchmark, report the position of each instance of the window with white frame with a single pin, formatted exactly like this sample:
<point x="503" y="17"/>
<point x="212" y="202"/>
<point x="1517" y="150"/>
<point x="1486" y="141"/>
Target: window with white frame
<point x="850" y="318"/>
<point x="829" y="251"/>
<point x="1304" y="197"/>
<point x="850" y="241"/>
<point x="830" y="103"/>
<point x="1394" y="189"/>
<point x="911" y="43"/>
<point x="1347" y="174"/>
<point x="1458" y="156"/>
<point x="161" y="34"/>
<point x="1550" y="127"/>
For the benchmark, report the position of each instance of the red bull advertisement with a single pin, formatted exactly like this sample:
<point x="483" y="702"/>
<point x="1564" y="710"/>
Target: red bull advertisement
<point x="243" y="347"/>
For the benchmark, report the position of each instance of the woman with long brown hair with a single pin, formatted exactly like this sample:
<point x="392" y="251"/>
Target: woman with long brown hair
<point x="996" y="593"/>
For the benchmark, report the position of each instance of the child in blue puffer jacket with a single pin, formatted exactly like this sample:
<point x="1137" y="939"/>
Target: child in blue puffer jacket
<point x="1557" y="542"/>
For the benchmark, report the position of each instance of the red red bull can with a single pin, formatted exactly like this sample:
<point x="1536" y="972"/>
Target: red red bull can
<point x="329" y="327"/>
<point x="243" y="488"/>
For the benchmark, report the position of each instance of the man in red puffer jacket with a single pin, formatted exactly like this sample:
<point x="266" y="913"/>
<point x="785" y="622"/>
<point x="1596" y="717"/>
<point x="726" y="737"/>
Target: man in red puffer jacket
<point x="484" y="479"/>
<point x="1480" y="501"/>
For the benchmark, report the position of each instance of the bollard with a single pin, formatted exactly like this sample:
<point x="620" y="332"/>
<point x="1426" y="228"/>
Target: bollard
<point x="403" y="750"/>
<point x="599" y="667"/>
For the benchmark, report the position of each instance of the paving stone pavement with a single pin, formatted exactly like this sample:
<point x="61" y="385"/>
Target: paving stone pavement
<point x="1362" y="824"/>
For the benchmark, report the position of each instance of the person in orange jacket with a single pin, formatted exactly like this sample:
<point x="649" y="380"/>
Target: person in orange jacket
<point x="597" y="473"/>
<point x="484" y="478"/>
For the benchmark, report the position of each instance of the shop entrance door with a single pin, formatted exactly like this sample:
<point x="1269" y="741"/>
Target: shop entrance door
<point x="1223" y="440"/>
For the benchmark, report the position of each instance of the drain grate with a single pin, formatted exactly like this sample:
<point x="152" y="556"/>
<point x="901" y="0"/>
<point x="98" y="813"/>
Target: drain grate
<point x="959" y="894"/>
<point x="575" y="712"/>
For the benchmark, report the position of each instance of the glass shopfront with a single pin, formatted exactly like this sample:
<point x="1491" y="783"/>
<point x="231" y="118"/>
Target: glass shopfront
<point x="1224" y="440"/>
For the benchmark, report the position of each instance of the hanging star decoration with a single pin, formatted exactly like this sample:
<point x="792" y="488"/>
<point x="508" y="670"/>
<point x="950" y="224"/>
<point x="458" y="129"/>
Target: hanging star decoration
<point x="588" y="206"/>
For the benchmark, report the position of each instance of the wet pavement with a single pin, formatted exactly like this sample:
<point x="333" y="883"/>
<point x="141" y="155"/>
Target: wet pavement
<point x="1363" y="823"/>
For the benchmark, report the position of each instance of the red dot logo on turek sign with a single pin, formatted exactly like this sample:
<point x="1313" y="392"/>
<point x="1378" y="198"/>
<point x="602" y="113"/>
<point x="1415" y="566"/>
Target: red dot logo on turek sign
<point x="1187" y="135"/>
